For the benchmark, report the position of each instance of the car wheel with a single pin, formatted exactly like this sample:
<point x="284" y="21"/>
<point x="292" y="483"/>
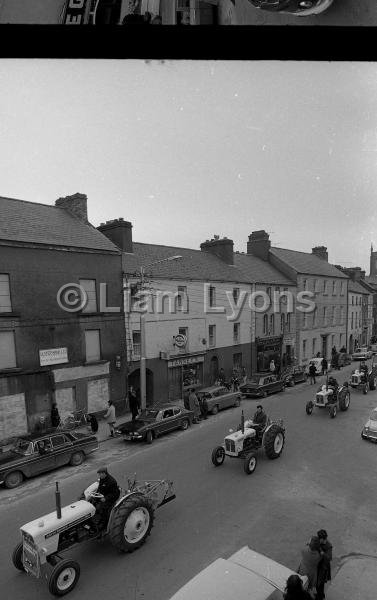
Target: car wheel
<point x="13" y="480"/>
<point x="215" y="410"/>
<point x="76" y="459"/>
<point x="149" y="436"/>
<point x="264" y="394"/>
<point x="184" y="424"/>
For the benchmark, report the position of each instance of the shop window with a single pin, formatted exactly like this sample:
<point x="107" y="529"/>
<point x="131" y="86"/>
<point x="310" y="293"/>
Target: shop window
<point x="89" y="286"/>
<point x="5" y="302"/>
<point x="136" y="343"/>
<point x="212" y="336"/>
<point x="7" y="350"/>
<point x="236" y="333"/>
<point x="237" y="362"/>
<point x="265" y="324"/>
<point x="192" y="375"/>
<point x="212" y="295"/>
<point x="92" y="345"/>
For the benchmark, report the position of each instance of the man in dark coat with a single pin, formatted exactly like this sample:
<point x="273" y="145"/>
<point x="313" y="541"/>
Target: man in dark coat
<point x="132" y="400"/>
<point x="312" y="373"/>
<point x="324" y="366"/>
<point x="259" y="420"/>
<point x="324" y="566"/>
<point x="55" y="417"/>
<point x="108" y="487"/>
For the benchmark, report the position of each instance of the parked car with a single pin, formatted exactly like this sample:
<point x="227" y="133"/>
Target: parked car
<point x="218" y="397"/>
<point x="299" y="8"/>
<point x="362" y="354"/>
<point x="369" y="431"/>
<point x="295" y="374"/>
<point x="246" y="575"/>
<point x="344" y="359"/>
<point x="262" y="384"/>
<point x="373" y="348"/>
<point x="37" y="453"/>
<point x="155" y="421"/>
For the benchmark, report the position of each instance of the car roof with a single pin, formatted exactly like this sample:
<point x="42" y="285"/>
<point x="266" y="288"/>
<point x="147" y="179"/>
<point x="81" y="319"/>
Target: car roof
<point x="246" y="575"/>
<point x="163" y="406"/>
<point x="32" y="437"/>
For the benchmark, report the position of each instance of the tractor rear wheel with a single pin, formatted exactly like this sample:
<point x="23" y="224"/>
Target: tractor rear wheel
<point x="273" y="441"/>
<point x="250" y="463"/>
<point x="131" y="523"/>
<point x="218" y="456"/>
<point x="63" y="577"/>
<point x="17" y="557"/>
<point x="309" y="407"/>
<point x="344" y="399"/>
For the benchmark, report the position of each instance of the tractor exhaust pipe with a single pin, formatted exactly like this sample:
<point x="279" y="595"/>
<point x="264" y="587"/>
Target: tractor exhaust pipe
<point x="58" y="502"/>
<point x="243" y="422"/>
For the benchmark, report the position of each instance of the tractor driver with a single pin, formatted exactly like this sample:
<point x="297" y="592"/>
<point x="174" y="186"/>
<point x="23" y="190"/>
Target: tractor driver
<point x="109" y="488"/>
<point x="364" y="370"/>
<point x="259" y="420"/>
<point x="333" y="384"/>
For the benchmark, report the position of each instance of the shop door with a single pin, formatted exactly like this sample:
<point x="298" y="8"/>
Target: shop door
<point x="175" y="383"/>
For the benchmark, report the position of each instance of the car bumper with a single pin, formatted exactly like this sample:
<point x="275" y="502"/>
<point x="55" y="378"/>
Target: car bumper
<point x="369" y="435"/>
<point x="253" y="394"/>
<point x="129" y="437"/>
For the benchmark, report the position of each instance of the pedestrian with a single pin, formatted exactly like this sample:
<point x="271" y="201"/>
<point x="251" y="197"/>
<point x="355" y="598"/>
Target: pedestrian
<point x="133" y="403"/>
<point x="92" y="420"/>
<point x="294" y="589"/>
<point x="222" y="376"/>
<point x="335" y="361"/>
<point x="310" y="557"/>
<point x="272" y="366"/>
<point x="324" y="565"/>
<point x="203" y="406"/>
<point x="244" y="375"/>
<point x="110" y="417"/>
<point x="194" y="405"/>
<point x="324" y="365"/>
<point x="312" y="373"/>
<point x="235" y="383"/>
<point x="55" y="417"/>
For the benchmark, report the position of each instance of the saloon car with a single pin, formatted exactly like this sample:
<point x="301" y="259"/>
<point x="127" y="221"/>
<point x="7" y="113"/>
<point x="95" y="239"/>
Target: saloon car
<point x="246" y="575"/>
<point x="369" y="431"/>
<point x="299" y="8"/>
<point x="293" y="375"/>
<point x="155" y="421"/>
<point x="362" y="354"/>
<point x="217" y="398"/>
<point x="37" y="453"/>
<point x="262" y="384"/>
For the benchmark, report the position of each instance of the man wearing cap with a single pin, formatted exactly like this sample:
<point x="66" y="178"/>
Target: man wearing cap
<point x="109" y="488"/>
<point x="259" y="419"/>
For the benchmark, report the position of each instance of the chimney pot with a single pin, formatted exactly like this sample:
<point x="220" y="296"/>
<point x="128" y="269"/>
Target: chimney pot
<point x="76" y="205"/>
<point x="223" y="249"/>
<point x="119" y="232"/>
<point x="259" y="244"/>
<point x="321" y="252"/>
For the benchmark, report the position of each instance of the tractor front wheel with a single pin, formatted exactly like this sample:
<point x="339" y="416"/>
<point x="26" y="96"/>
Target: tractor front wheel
<point x="17" y="557"/>
<point x="273" y="441"/>
<point x="63" y="577"/>
<point x="250" y="463"/>
<point x="131" y="523"/>
<point x="365" y="388"/>
<point x="309" y="407"/>
<point x="332" y="411"/>
<point x="218" y="456"/>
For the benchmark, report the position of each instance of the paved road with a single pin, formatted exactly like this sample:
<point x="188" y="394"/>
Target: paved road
<point x="326" y="477"/>
<point x="341" y="12"/>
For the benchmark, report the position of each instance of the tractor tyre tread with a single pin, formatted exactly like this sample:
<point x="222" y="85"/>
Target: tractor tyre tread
<point x="116" y="533"/>
<point x="17" y="557"/>
<point x="269" y="439"/>
<point x="52" y="581"/>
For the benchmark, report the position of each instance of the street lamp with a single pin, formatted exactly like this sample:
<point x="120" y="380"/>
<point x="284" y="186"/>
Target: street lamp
<point x="143" y="374"/>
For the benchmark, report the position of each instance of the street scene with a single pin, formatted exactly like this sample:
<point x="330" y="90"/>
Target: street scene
<point x="188" y="341"/>
<point x="190" y="12"/>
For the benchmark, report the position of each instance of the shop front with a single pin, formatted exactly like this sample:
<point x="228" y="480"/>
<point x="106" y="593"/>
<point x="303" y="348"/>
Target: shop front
<point x="288" y="351"/>
<point x="184" y="372"/>
<point x="268" y="349"/>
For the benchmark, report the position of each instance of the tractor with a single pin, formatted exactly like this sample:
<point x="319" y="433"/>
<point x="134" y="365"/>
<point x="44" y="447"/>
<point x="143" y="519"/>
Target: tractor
<point x="332" y="397"/>
<point x="364" y="380"/>
<point x="245" y="442"/>
<point x="129" y="524"/>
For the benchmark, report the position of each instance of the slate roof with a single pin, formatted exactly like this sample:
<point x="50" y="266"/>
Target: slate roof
<point x="30" y="222"/>
<point x="307" y="263"/>
<point x="260" y="271"/>
<point x="194" y="264"/>
<point x="356" y="288"/>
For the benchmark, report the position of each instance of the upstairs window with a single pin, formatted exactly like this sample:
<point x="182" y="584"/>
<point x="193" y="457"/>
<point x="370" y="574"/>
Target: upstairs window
<point x="5" y="303"/>
<point x="136" y="343"/>
<point x="272" y="325"/>
<point x="212" y="295"/>
<point x="334" y="288"/>
<point x="325" y="286"/>
<point x="182" y="298"/>
<point x="236" y="295"/>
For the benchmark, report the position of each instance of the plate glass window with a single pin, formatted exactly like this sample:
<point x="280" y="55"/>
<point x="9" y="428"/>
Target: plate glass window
<point x="89" y="285"/>
<point x="5" y="303"/>
<point x="92" y="345"/>
<point x="7" y="350"/>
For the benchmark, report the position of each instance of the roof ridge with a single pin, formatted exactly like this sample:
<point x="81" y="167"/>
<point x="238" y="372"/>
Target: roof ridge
<point x="30" y="202"/>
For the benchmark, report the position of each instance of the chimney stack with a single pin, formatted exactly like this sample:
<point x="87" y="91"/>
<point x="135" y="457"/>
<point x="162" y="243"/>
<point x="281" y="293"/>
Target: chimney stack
<point x="355" y="273"/>
<point x="119" y="232"/>
<point x="222" y="248"/>
<point x="76" y="205"/>
<point x="321" y="252"/>
<point x="259" y="244"/>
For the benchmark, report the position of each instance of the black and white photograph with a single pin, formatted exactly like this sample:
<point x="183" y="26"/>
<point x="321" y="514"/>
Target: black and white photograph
<point x="188" y="275"/>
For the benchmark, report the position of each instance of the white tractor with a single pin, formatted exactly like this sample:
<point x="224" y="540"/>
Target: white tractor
<point x="129" y="524"/>
<point x="244" y="443"/>
<point x="332" y="397"/>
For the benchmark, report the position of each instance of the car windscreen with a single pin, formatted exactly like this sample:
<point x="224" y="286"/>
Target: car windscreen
<point x="148" y="414"/>
<point x="22" y="447"/>
<point x="255" y="379"/>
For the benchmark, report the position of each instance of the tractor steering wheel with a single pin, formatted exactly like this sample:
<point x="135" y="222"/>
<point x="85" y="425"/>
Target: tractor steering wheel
<point x="96" y="496"/>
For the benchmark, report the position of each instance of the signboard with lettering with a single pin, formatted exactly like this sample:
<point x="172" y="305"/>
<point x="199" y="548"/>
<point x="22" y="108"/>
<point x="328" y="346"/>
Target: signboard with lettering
<point x="53" y="356"/>
<point x="75" y="10"/>
<point x="189" y="360"/>
<point x="180" y="340"/>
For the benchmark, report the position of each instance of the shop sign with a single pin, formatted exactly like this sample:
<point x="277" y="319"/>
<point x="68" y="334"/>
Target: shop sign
<point x="74" y="13"/>
<point x="271" y="343"/>
<point x="180" y="340"/>
<point x="289" y="340"/>
<point x="189" y="360"/>
<point x="54" y="356"/>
